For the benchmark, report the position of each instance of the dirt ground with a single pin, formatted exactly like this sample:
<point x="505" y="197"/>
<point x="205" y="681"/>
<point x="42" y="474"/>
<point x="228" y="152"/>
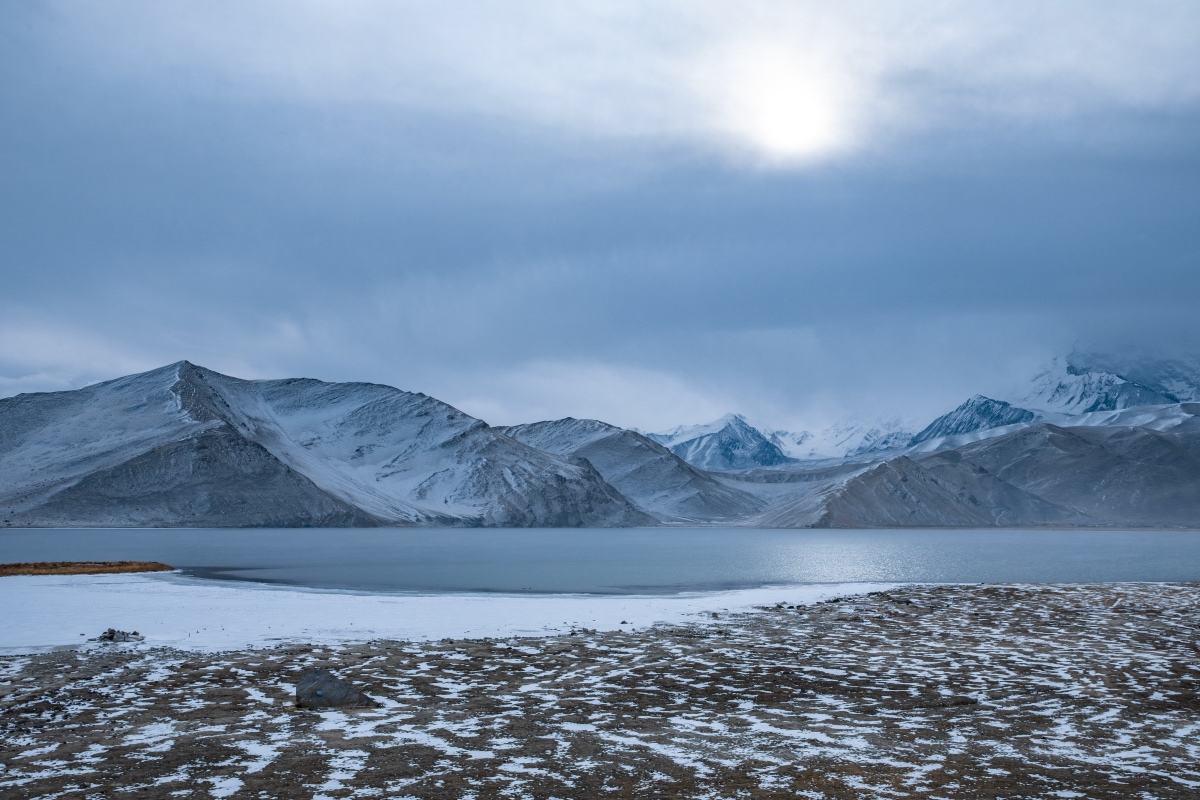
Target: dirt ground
<point x="948" y="692"/>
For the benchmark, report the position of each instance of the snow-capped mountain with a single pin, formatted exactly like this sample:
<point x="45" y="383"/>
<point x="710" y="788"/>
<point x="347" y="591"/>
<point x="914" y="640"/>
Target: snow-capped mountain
<point x="1175" y="378"/>
<point x="185" y="445"/>
<point x="1081" y="390"/>
<point x="846" y="439"/>
<point x="976" y="414"/>
<point x="1033" y="475"/>
<point x="1080" y="384"/>
<point x="729" y="443"/>
<point x="658" y="481"/>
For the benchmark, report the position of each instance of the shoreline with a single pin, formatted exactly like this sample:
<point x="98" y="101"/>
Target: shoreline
<point x="206" y="615"/>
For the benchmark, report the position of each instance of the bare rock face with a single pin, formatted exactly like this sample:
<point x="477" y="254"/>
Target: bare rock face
<point x="318" y="688"/>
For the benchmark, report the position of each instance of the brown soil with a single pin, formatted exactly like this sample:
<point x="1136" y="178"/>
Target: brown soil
<point x="81" y="567"/>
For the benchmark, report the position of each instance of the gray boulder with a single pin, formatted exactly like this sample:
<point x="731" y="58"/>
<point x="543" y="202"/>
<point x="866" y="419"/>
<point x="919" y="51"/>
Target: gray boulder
<point x="318" y="688"/>
<point x="114" y="635"/>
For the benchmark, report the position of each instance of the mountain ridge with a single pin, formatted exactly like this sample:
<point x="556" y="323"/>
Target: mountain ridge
<point x="182" y="445"/>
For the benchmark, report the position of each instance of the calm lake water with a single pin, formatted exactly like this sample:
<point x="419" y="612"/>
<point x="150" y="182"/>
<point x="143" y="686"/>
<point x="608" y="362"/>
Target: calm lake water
<point x="624" y="561"/>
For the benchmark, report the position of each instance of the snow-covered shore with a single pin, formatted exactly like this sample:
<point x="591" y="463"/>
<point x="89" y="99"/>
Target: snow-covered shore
<point x="53" y="611"/>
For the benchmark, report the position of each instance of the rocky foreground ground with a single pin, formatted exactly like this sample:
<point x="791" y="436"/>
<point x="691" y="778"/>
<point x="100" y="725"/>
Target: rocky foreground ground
<point x="992" y="691"/>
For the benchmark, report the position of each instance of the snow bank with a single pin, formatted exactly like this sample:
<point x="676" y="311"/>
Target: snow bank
<point x="53" y="611"/>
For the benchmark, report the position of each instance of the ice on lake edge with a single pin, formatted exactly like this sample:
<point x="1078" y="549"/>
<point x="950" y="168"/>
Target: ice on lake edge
<point x="209" y="616"/>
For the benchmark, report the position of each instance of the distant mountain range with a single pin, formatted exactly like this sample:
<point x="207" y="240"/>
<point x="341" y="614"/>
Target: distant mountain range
<point x="1091" y="441"/>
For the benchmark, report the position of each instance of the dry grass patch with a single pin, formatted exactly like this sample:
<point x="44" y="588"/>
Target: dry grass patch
<point x="81" y="567"/>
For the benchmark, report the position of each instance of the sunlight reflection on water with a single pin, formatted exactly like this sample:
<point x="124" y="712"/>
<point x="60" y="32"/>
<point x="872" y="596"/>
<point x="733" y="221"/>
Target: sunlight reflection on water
<point x="625" y="560"/>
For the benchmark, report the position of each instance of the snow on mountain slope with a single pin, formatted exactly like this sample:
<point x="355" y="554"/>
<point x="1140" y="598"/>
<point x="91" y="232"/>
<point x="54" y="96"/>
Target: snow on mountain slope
<point x="1076" y="391"/>
<point x="729" y="443"/>
<point x="1175" y="378"/>
<point x="146" y="449"/>
<point x="212" y="479"/>
<point x="48" y="440"/>
<point x="408" y="457"/>
<point x="1072" y="386"/>
<point x="976" y="414"/>
<point x="372" y="451"/>
<point x="182" y="445"/>
<point x="656" y="479"/>
<point x="845" y="439"/>
<point x="565" y="436"/>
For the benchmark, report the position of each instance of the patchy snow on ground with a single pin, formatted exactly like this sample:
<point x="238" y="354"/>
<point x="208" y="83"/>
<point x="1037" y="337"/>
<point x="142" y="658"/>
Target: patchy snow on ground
<point x="173" y="611"/>
<point x="916" y="693"/>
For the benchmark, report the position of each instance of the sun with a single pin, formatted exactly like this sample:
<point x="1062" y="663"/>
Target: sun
<point x="783" y="104"/>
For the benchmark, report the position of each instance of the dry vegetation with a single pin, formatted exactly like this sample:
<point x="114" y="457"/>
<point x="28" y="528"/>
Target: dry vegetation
<point x="81" y="567"/>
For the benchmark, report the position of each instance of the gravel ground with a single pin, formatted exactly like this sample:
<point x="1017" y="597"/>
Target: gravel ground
<point x="949" y="691"/>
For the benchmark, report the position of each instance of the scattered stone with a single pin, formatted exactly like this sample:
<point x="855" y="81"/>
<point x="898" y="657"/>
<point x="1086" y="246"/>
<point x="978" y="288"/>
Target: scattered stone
<point x="319" y="688"/>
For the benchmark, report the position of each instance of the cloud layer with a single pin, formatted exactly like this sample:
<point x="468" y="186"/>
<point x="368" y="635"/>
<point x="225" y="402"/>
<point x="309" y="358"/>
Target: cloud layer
<point x="651" y="214"/>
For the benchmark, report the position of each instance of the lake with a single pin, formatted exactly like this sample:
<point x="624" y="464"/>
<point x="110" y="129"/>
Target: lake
<point x="617" y="561"/>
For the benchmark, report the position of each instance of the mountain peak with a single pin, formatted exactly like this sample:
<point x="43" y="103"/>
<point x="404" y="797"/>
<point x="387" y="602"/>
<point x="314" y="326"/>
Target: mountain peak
<point x="977" y="413"/>
<point x="728" y="443"/>
<point x="1084" y="382"/>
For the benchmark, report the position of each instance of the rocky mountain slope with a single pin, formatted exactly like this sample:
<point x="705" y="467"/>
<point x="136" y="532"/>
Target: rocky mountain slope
<point x="649" y="474"/>
<point x="183" y="445"/>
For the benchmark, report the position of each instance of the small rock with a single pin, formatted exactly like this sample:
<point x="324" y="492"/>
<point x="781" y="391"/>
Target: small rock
<point x="318" y="688"/>
<point x="114" y="635"/>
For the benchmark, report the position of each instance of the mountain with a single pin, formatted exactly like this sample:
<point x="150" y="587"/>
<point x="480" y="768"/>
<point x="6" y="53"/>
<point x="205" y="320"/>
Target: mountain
<point x="976" y="414"/>
<point x="845" y="439"/>
<point x="1113" y="475"/>
<point x="183" y="445"/>
<point x="1177" y="379"/>
<point x="655" y="479"/>
<point x="1041" y="475"/>
<point x="186" y="446"/>
<point x="1080" y="384"/>
<point x="730" y="443"/>
<point x="904" y="492"/>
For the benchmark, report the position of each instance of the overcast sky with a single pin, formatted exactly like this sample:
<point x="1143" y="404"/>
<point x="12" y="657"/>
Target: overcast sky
<point x="646" y="212"/>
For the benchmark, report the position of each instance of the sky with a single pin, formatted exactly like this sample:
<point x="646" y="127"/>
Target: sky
<point x="651" y="213"/>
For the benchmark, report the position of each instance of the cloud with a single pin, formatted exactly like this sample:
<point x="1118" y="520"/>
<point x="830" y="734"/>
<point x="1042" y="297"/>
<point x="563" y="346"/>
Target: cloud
<point x="651" y="399"/>
<point x="780" y="83"/>
<point x="648" y="213"/>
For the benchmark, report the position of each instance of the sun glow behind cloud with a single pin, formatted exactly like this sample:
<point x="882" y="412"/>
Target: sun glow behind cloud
<point x="784" y="106"/>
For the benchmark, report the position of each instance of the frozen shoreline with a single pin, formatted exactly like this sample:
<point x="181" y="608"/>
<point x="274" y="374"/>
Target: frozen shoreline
<point x="171" y="611"/>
